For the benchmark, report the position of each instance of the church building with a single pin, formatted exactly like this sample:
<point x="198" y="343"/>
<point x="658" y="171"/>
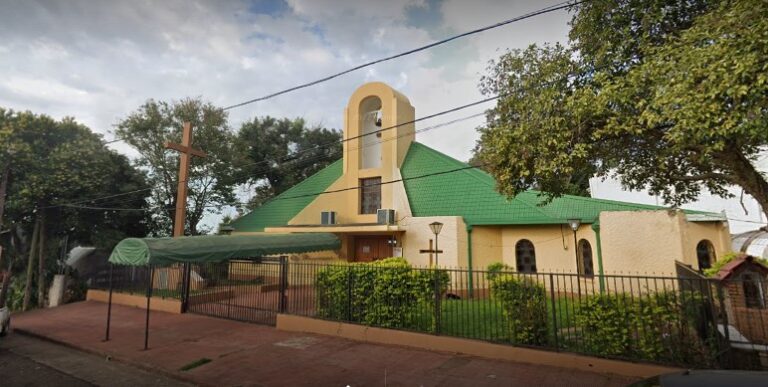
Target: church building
<point x="382" y="195"/>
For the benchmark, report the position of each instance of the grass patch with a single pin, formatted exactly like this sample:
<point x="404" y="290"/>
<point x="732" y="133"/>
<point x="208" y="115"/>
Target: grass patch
<point x="484" y="319"/>
<point x="195" y="364"/>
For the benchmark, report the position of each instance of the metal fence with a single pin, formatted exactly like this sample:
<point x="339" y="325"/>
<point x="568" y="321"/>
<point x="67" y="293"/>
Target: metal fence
<point x="667" y="320"/>
<point x="685" y="321"/>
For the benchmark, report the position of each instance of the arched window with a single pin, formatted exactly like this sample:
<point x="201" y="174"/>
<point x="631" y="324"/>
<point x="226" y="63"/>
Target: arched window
<point x="526" y="256"/>
<point x="705" y="253"/>
<point x="586" y="268"/>
<point x="370" y="123"/>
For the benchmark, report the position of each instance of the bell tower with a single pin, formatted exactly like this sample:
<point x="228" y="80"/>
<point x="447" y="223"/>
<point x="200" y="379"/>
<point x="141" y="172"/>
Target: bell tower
<point x="378" y="124"/>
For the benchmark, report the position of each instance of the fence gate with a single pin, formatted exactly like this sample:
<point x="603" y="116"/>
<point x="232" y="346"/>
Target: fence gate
<point x="243" y="290"/>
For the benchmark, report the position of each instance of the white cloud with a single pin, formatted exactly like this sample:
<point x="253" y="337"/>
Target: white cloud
<point x="98" y="61"/>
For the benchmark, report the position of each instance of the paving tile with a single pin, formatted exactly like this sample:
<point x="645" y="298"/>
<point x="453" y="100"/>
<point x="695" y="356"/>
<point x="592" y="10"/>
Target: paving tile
<point x="258" y="355"/>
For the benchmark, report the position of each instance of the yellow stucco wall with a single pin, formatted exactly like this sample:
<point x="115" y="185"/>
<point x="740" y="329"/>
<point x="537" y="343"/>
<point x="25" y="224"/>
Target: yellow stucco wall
<point x="717" y="233"/>
<point x="394" y="145"/>
<point x="650" y="242"/>
<point x="555" y="251"/>
<point x="486" y="246"/>
<point x="641" y="242"/>
<point x="452" y="240"/>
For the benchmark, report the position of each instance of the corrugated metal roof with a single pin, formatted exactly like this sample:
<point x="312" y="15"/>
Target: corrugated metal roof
<point x="754" y="243"/>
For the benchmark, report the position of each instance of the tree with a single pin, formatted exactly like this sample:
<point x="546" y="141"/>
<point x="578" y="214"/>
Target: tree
<point x="276" y="154"/>
<point x="54" y="166"/>
<point x="671" y="97"/>
<point x="210" y="178"/>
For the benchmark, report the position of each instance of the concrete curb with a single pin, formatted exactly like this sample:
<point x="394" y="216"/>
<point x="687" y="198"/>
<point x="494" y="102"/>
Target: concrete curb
<point x="470" y="347"/>
<point x="119" y="359"/>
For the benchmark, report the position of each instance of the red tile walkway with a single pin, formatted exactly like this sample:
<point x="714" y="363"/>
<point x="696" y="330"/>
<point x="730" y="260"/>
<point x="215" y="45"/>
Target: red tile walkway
<point x="250" y="354"/>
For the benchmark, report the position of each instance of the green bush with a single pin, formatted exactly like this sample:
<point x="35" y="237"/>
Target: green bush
<point x="388" y="293"/>
<point x="496" y="269"/>
<point x="524" y="304"/>
<point x="657" y="327"/>
<point x="606" y="321"/>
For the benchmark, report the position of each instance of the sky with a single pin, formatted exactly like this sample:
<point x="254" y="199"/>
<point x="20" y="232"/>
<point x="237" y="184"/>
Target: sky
<point x="98" y="61"/>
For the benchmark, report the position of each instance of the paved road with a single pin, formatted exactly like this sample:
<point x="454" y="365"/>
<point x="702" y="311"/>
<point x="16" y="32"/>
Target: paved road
<point x="26" y="361"/>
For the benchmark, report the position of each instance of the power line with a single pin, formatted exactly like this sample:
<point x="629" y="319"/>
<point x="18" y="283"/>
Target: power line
<point x="542" y="11"/>
<point x="552" y="8"/>
<point x="291" y="197"/>
<point x="73" y="204"/>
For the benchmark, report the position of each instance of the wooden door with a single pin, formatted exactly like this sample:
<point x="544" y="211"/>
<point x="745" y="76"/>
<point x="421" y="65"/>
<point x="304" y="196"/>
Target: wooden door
<point x="371" y="248"/>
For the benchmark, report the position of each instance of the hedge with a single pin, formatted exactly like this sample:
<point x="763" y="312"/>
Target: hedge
<point x="388" y="293"/>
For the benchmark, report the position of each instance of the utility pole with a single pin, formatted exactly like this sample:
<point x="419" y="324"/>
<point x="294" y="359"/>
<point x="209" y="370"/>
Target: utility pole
<point x="186" y="150"/>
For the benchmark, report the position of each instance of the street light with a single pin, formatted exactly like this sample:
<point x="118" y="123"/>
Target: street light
<point x="436" y="227"/>
<point x="575" y="223"/>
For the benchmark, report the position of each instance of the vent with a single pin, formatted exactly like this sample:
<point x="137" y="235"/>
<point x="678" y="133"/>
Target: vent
<point x="328" y="217"/>
<point x="385" y="216"/>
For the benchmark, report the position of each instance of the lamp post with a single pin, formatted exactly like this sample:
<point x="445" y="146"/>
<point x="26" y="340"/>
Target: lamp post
<point x="436" y="227"/>
<point x="575" y="223"/>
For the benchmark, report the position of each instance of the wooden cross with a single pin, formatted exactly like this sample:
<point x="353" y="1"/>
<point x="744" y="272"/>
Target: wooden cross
<point x="431" y="251"/>
<point x="186" y="150"/>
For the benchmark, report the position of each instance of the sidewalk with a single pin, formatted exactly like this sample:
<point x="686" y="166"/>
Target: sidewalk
<point x="249" y="354"/>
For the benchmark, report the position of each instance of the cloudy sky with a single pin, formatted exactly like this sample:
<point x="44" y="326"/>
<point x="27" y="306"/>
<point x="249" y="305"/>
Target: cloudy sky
<point x="99" y="60"/>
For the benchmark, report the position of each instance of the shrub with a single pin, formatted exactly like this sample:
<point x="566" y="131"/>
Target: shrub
<point x="657" y="327"/>
<point x="388" y="293"/>
<point x="524" y="305"/>
<point x="496" y="269"/>
<point x="606" y="321"/>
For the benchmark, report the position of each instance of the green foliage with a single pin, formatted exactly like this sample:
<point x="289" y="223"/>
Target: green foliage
<point x="524" y="302"/>
<point x="657" y="327"/>
<point x="670" y="97"/>
<point x="387" y="293"/>
<point x="727" y="258"/>
<point x="15" y="297"/>
<point x="496" y="269"/>
<point x="296" y="151"/>
<point x="77" y="165"/>
<point x="210" y="178"/>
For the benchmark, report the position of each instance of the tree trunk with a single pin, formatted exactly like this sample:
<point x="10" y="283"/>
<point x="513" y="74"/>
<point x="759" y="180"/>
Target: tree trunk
<point x="30" y="266"/>
<point x="41" y="263"/>
<point x="746" y="176"/>
<point x="3" y="190"/>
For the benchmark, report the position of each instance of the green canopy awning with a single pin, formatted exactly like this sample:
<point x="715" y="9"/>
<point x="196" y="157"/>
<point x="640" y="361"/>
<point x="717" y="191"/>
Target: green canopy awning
<point x="217" y="248"/>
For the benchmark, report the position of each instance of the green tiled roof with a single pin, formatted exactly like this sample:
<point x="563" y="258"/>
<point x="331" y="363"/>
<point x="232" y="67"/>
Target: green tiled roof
<point x="471" y="193"/>
<point x="281" y="209"/>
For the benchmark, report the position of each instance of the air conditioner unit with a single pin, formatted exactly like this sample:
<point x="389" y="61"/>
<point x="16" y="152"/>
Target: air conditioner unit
<point x="385" y="216"/>
<point x="328" y="217"/>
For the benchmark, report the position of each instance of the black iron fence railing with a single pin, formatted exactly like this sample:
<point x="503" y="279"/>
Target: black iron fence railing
<point x="684" y="321"/>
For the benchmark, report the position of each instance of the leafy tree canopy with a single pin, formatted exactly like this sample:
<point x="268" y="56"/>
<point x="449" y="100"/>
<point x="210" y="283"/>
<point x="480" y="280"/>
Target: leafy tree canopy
<point x="56" y="163"/>
<point x="277" y="154"/>
<point x="668" y="96"/>
<point x="210" y="178"/>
